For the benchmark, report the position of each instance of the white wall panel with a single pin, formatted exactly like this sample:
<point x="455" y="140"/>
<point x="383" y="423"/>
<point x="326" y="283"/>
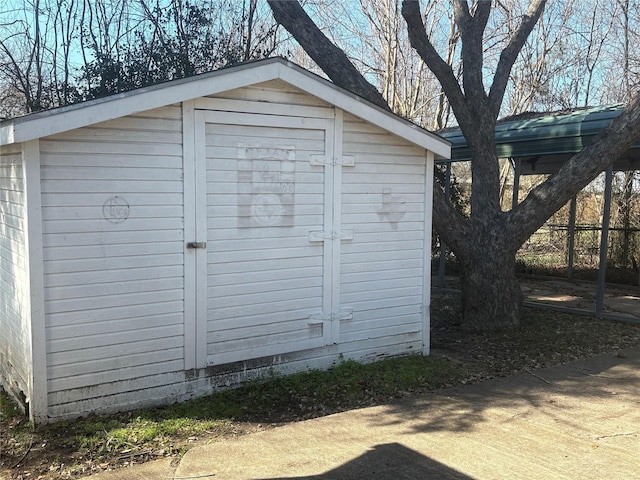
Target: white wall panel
<point x="112" y="198"/>
<point x="383" y="266"/>
<point x="15" y="361"/>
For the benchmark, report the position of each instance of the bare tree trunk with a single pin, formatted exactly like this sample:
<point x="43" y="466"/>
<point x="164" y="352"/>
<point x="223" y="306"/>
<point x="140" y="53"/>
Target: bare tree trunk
<point x="491" y="295"/>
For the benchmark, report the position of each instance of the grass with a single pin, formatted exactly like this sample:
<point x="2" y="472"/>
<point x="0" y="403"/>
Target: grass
<point x="99" y="441"/>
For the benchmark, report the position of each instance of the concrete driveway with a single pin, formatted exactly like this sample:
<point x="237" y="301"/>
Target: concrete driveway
<point x="576" y="421"/>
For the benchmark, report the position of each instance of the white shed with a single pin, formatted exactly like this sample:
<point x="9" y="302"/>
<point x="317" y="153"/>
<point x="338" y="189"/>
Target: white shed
<point x="159" y="244"/>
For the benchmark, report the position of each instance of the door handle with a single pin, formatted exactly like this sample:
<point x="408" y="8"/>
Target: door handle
<point x="197" y="245"/>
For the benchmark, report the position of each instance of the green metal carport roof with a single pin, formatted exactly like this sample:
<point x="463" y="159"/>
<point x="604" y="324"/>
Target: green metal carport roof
<point x="544" y="141"/>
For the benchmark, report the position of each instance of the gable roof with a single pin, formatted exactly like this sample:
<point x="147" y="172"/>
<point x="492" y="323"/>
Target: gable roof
<point x="67" y="118"/>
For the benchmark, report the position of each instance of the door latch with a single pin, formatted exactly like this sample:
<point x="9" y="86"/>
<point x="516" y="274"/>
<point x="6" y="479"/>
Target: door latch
<point x="197" y="245"/>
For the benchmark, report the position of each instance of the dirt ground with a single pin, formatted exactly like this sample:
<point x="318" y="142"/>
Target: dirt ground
<point x="579" y="295"/>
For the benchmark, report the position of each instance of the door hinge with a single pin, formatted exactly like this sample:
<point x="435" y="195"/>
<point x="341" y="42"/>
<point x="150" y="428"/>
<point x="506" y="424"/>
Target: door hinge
<point x="321" y="236"/>
<point x="319" y="318"/>
<point x="345" y="160"/>
<point x="197" y="245"/>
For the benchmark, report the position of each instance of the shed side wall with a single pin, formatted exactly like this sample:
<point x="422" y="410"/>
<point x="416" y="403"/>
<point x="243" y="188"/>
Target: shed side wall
<point x="112" y="210"/>
<point x="15" y="365"/>
<point x="382" y="273"/>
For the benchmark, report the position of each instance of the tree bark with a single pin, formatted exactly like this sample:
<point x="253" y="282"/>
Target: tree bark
<point x="490" y="292"/>
<point x="487" y="242"/>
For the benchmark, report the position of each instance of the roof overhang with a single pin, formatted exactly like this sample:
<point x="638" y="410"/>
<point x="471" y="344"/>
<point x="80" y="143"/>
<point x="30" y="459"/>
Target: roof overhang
<point x="545" y="141"/>
<point x="79" y="115"/>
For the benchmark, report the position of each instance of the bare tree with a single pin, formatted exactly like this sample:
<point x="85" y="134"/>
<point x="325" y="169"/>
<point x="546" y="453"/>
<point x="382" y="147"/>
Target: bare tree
<point x="486" y="242"/>
<point x="55" y="52"/>
<point x="22" y="56"/>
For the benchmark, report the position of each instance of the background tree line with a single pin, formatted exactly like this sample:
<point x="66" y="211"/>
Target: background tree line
<point x="57" y="52"/>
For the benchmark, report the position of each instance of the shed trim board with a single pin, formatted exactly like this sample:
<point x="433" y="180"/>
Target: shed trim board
<point x="191" y="256"/>
<point x="426" y="292"/>
<point x="199" y="234"/>
<point x="35" y="310"/>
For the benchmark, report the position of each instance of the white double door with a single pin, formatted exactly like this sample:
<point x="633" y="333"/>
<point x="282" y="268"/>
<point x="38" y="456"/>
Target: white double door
<point x="265" y="250"/>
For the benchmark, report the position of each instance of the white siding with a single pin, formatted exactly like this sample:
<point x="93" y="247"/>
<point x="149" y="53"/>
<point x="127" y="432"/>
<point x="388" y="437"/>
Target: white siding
<point x="265" y="276"/>
<point x="382" y="272"/>
<point x="114" y="216"/>
<point x="112" y="210"/>
<point x="382" y="268"/>
<point x="275" y="92"/>
<point x="15" y="363"/>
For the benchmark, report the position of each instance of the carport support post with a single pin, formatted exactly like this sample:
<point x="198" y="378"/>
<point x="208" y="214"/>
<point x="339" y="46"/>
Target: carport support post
<point x="516" y="182"/>
<point x="443" y="247"/>
<point x="604" y="242"/>
<point x="572" y="236"/>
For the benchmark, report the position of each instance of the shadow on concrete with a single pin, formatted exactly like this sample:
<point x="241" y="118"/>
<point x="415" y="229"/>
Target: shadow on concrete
<point x="390" y="461"/>
<point x="557" y="394"/>
<point x="577" y="420"/>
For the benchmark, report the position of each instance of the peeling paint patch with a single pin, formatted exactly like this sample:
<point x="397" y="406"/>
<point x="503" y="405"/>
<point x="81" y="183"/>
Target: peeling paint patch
<point x="266" y="186"/>
<point x="392" y="208"/>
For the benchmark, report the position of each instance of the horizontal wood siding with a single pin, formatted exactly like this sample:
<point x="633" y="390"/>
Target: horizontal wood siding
<point x="382" y="267"/>
<point x="15" y="363"/>
<point x="112" y="210"/>
<point x="265" y="279"/>
<point x="114" y="250"/>
<point x="274" y="92"/>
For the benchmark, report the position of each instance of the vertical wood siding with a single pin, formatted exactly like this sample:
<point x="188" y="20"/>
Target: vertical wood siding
<point x="113" y="257"/>
<point x="15" y="363"/>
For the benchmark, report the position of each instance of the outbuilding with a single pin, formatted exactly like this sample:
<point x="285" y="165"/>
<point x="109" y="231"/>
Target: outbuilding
<point x="162" y="243"/>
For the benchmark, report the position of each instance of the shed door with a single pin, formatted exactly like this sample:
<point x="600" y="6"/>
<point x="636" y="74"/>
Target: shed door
<point x="266" y="200"/>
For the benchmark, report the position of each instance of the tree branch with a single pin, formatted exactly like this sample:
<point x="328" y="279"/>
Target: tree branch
<point x="511" y="52"/>
<point x="450" y="224"/>
<point x="471" y="32"/>
<point x="441" y="69"/>
<point x="609" y="145"/>
<point x="481" y="14"/>
<point x="331" y="59"/>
